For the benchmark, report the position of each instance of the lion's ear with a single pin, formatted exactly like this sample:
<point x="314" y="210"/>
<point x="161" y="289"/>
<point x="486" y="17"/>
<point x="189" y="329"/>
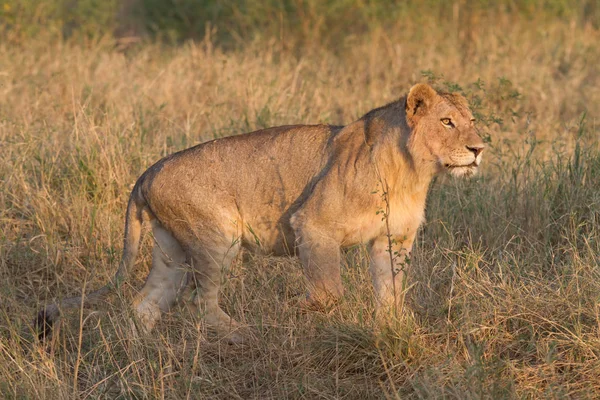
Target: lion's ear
<point x="418" y="102"/>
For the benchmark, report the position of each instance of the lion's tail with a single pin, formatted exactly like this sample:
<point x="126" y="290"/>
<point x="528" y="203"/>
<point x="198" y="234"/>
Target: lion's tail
<point x="133" y="232"/>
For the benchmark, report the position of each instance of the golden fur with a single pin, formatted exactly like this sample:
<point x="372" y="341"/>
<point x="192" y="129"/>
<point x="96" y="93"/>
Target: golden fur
<point x="305" y="190"/>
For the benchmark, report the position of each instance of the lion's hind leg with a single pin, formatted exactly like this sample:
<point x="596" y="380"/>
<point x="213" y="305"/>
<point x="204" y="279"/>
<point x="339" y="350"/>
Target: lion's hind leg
<point x="208" y="262"/>
<point x="167" y="277"/>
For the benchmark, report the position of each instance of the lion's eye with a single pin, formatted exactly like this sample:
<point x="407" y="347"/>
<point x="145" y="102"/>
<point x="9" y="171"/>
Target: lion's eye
<point x="447" y="122"/>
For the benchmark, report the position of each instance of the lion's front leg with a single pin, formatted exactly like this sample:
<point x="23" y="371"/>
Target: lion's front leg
<point x="389" y="260"/>
<point x="320" y="256"/>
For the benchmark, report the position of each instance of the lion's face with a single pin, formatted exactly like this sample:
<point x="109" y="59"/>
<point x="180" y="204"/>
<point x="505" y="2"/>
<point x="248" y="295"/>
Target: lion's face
<point x="444" y="130"/>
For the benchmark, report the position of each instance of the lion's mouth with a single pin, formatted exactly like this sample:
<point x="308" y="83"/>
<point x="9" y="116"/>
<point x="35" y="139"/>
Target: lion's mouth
<point x="465" y="170"/>
<point x="474" y="164"/>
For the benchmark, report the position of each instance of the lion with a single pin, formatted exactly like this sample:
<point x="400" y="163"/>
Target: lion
<point x="305" y="190"/>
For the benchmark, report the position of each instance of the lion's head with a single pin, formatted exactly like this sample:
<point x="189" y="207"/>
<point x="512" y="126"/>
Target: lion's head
<point x="443" y="130"/>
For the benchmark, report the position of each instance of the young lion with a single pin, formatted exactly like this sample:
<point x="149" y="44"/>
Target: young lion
<point x="304" y="189"/>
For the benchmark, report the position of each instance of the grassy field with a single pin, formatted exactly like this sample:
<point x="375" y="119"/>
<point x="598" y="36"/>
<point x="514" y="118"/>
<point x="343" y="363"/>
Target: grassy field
<point x="505" y="301"/>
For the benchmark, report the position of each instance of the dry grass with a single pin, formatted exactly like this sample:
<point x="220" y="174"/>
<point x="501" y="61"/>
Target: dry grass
<point x="505" y="272"/>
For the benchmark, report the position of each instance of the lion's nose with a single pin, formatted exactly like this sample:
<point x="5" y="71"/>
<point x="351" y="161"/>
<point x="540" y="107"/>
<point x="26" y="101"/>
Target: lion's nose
<point x="476" y="149"/>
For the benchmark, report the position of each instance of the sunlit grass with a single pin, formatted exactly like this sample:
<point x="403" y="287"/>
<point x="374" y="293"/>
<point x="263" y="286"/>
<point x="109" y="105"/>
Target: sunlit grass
<point x="505" y="271"/>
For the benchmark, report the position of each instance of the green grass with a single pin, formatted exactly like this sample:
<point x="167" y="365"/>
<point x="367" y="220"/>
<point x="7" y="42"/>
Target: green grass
<point x="231" y="22"/>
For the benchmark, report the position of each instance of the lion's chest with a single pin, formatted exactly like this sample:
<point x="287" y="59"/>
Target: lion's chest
<point x="402" y="219"/>
<point x="406" y="216"/>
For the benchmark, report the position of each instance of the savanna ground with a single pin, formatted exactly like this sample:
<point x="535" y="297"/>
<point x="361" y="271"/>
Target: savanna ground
<point x="504" y="299"/>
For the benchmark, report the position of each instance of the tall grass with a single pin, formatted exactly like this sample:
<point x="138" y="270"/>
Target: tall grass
<point x="505" y="271"/>
<point x="304" y="22"/>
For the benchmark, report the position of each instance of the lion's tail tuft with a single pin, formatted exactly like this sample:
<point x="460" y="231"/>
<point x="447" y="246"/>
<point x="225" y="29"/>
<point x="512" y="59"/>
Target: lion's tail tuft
<point x="133" y="232"/>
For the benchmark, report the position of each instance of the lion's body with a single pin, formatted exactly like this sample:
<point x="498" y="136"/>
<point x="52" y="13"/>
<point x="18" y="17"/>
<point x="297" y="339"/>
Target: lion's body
<point x="306" y="190"/>
<point x="243" y="187"/>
